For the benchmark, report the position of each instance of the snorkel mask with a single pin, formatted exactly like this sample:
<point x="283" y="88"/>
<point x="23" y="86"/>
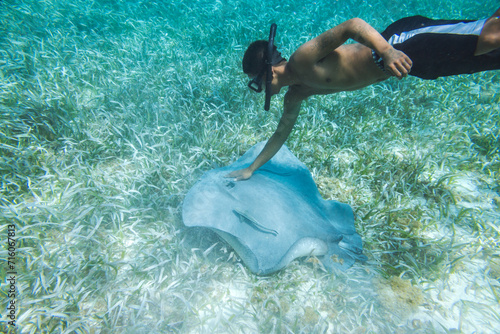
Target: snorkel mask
<point x="273" y="58"/>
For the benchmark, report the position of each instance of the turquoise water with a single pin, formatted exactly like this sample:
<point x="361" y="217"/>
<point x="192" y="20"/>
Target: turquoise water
<point x="111" y="110"/>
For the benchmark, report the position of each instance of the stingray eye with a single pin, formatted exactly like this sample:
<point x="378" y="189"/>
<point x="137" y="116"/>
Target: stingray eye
<point x="230" y="184"/>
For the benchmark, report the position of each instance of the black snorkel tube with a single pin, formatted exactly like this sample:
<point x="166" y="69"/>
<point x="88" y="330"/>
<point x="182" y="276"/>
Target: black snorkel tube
<point x="269" y="65"/>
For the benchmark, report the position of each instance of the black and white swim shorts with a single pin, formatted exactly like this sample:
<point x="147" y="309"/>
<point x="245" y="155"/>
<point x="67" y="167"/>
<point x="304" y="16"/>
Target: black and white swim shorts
<point x="439" y="48"/>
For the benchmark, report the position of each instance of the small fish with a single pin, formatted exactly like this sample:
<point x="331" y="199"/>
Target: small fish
<point x="246" y="218"/>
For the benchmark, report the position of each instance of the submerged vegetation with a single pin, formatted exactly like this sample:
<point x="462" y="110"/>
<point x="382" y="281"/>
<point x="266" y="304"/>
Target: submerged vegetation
<point x="111" y="110"/>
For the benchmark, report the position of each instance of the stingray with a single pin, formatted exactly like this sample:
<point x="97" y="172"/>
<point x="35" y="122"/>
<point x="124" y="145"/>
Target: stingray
<point x="274" y="217"/>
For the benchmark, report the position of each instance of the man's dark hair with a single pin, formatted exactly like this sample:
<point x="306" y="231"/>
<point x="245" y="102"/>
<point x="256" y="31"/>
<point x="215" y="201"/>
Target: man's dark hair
<point x="255" y="56"/>
<point x="254" y="60"/>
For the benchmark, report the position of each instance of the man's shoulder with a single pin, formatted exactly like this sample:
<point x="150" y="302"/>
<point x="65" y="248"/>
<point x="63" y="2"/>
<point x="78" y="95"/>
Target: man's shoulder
<point x="302" y="58"/>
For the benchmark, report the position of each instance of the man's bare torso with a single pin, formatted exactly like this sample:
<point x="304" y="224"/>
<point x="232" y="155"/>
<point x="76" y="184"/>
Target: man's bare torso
<point x="349" y="67"/>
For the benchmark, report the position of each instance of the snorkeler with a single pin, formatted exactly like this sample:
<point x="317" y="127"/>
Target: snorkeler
<point x="325" y="65"/>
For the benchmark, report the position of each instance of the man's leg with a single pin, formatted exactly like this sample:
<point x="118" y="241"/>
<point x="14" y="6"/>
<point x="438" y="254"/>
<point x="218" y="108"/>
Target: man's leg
<point x="489" y="39"/>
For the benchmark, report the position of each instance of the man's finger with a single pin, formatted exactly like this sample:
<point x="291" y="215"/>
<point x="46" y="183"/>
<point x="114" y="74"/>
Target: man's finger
<point x="403" y="70"/>
<point x="408" y="64"/>
<point x="395" y="71"/>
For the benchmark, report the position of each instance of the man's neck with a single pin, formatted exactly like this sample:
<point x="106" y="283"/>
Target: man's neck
<point x="284" y="76"/>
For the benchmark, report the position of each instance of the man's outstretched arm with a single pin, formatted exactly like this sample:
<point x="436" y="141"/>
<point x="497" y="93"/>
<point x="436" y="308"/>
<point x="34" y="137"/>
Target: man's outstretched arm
<point x="291" y="108"/>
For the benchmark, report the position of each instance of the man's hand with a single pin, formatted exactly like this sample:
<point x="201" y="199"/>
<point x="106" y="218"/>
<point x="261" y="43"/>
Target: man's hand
<point x="241" y="174"/>
<point x="396" y="63"/>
